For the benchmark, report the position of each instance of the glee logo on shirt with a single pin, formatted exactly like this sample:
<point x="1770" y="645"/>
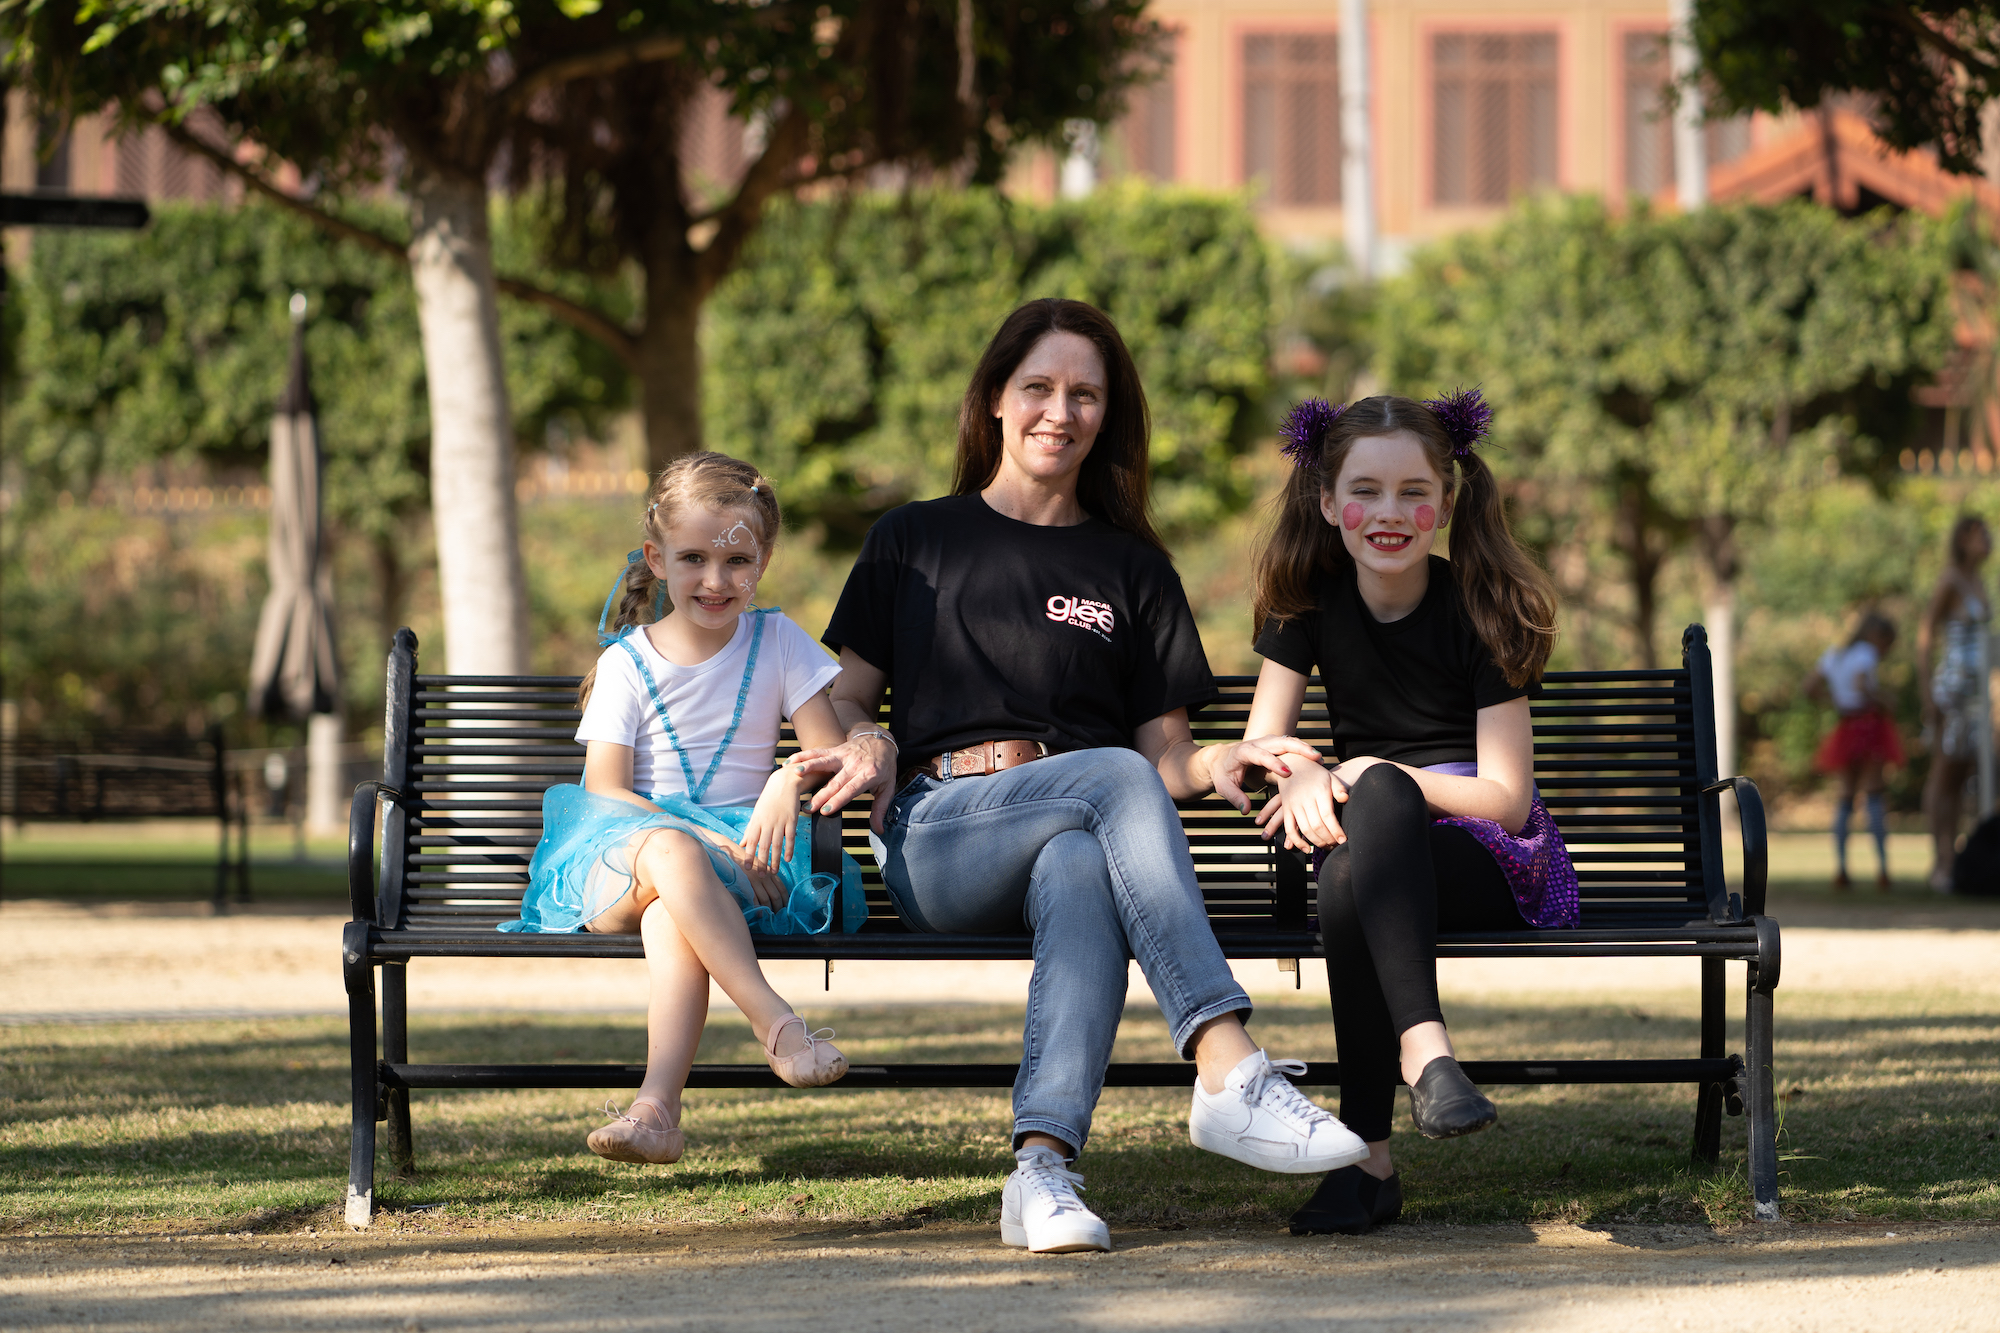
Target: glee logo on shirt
<point x="1083" y="613"/>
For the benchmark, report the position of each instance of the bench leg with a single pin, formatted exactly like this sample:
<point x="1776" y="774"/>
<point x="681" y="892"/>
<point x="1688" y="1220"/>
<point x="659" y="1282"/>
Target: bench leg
<point x="396" y="1050"/>
<point x="1762" y="1101"/>
<point x="360" y="976"/>
<point x="1708" y="1101"/>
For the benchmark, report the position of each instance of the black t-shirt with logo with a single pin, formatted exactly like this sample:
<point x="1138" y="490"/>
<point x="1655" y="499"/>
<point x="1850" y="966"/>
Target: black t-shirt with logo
<point x="1408" y="691"/>
<point x="993" y="629"/>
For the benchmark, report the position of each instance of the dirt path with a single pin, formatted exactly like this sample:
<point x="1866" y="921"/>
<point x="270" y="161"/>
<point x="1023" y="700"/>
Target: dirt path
<point x="1545" y="1278"/>
<point x="70" y="963"/>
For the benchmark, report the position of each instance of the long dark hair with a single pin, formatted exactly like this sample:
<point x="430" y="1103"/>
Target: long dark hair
<point x="1510" y="601"/>
<point x="1967" y="525"/>
<point x="1112" y="483"/>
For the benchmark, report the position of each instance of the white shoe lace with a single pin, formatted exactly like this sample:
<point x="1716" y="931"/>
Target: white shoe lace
<point x="1275" y="1093"/>
<point x="1053" y="1181"/>
<point x="811" y="1039"/>
<point x="616" y="1115"/>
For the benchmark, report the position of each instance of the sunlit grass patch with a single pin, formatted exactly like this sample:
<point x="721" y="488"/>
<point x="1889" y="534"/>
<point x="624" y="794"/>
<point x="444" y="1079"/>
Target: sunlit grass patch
<point x="1891" y="1104"/>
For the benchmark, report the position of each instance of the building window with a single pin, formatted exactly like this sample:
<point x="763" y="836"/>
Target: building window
<point x="51" y="162"/>
<point x="1494" y="122"/>
<point x="1148" y="129"/>
<point x="152" y="166"/>
<point x="1649" y="126"/>
<point x="1291" y="116"/>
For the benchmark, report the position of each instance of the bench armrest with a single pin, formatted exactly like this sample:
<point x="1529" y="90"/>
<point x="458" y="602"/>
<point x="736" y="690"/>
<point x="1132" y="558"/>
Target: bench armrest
<point x="1756" y="844"/>
<point x="826" y="861"/>
<point x="361" y="847"/>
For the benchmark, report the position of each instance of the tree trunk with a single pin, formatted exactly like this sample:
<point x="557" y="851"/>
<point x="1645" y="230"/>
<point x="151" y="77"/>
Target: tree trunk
<point x="1634" y="533"/>
<point x="480" y="580"/>
<point x="387" y="557"/>
<point x="1718" y="548"/>
<point x="670" y="355"/>
<point x="1719" y="612"/>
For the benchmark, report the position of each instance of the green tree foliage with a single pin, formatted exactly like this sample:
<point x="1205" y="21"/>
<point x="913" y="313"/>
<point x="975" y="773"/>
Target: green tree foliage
<point x="1927" y="70"/>
<point x="837" y="356"/>
<point x="1657" y="378"/>
<point x="167" y="350"/>
<point x="170" y="345"/>
<point x="586" y="103"/>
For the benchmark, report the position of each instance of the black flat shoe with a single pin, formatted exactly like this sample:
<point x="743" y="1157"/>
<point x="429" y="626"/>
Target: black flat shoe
<point x="1445" y="1103"/>
<point x="1349" y="1202"/>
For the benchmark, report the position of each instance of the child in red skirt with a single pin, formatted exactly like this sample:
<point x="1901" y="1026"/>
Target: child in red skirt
<point x="1864" y="743"/>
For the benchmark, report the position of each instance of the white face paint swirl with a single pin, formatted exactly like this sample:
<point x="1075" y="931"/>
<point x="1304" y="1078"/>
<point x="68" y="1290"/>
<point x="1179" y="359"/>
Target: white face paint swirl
<point x="736" y="536"/>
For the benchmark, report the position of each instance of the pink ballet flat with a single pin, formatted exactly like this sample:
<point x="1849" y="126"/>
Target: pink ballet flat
<point x="819" y="1064"/>
<point x="630" y="1139"/>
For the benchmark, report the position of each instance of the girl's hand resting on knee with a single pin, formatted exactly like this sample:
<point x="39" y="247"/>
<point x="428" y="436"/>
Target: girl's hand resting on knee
<point x="771" y="834"/>
<point x="1305" y="804"/>
<point x="1231" y="767"/>
<point x="1303" y="808"/>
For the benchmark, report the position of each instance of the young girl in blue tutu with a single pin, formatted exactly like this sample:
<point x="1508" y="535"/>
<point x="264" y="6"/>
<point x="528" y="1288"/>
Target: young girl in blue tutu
<point x="682" y="830"/>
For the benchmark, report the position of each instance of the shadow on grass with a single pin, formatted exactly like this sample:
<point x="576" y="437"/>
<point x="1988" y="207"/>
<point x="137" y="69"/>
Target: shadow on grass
<point x="1888" y="1115"/>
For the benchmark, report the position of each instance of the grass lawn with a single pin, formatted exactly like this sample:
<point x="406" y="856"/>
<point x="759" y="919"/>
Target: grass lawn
<point x="1891" y="1107"/>
<point x="162" y="862"/>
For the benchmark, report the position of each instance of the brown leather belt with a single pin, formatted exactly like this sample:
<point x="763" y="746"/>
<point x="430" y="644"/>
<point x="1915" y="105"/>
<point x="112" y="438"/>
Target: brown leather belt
<point x="977" y="760"/>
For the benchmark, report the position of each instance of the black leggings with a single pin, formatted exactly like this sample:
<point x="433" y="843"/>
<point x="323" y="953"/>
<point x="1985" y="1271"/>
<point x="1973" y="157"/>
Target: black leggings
<point x="1384" y="895"/>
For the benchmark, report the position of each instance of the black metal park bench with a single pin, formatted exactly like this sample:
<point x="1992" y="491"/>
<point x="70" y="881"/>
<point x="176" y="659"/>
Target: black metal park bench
<point x="1625" y="761"/>
<point x="132" y="775"/>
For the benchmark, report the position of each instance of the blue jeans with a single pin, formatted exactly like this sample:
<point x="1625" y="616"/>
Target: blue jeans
<point x="1086" y="851"/>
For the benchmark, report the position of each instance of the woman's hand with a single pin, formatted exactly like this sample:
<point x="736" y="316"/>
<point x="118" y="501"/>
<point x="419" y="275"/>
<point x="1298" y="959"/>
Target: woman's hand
<point x="1303" y="808"/>
<point x="1305" y="804"/>
<point x="774" y="822"/>
<point x="1230" y="765"/>
<point x="862" y="764"/>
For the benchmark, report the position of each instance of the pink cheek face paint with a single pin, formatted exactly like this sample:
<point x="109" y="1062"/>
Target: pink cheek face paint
<point x="1352" y="515"/>
<point x="1427" y="518"/>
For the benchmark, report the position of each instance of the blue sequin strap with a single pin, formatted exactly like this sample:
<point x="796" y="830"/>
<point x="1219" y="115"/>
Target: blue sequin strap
<point x="697" y="791"/>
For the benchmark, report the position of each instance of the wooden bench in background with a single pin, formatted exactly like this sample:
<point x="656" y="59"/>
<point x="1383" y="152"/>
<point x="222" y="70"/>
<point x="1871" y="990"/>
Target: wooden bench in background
<point x="1625" y="761"/>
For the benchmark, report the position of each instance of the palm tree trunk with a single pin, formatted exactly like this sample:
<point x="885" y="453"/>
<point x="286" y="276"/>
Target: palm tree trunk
<point x="480" y="580"/>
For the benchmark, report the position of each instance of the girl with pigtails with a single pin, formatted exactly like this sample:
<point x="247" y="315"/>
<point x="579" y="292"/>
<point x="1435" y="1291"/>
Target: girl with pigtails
<point x="1428" y="821"/>
<point x="682" y="831"/>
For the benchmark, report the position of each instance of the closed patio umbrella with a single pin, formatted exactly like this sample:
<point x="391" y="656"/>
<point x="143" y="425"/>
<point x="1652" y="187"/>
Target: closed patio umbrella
<point x="295" y="671"/>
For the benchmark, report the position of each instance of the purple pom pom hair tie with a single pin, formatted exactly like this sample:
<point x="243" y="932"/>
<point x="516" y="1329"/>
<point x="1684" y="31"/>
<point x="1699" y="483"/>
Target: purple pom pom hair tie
<point x="1466" y="417"/>
<point x="1305" y="428"/>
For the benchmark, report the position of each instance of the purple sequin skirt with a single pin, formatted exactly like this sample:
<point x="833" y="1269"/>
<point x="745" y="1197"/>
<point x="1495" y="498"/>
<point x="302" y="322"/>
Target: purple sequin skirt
<point x="1534" y="861"/>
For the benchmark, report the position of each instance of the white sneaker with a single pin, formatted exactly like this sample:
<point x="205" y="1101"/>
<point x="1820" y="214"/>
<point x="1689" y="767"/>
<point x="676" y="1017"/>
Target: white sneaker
<point x="1040" y="1211"/>
<point x="1260" y="1119"/>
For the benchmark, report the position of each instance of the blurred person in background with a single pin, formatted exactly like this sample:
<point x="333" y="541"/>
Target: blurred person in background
<point x="1864" y="742"/>
<point x="1948" y="658"/>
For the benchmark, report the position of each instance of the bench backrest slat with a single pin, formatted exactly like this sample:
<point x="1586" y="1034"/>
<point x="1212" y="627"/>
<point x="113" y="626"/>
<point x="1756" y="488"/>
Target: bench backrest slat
<point x="1619" y="758"/>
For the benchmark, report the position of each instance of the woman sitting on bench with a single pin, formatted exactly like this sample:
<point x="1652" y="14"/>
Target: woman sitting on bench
<point x="1427" y="664"/>
<point x="1043" y="658"/>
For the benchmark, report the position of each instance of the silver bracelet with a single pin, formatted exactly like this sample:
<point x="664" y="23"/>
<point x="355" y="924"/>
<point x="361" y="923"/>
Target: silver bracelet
<point x="859" y="735"/>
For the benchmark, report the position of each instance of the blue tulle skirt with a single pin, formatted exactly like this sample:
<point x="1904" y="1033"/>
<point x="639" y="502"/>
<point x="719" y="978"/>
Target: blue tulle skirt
<point x="582" y="867"/>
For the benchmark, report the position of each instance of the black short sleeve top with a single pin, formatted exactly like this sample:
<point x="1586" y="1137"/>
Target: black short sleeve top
<point x="1408" y="691"/>
<point x="993" y="629"/>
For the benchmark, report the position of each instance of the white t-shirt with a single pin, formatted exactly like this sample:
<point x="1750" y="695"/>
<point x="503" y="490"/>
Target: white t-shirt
<point x="1850" y="674"/>
<point x="791" y="669"/>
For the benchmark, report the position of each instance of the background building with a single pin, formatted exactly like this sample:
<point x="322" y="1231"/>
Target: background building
<point x="1473" y="104"/>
